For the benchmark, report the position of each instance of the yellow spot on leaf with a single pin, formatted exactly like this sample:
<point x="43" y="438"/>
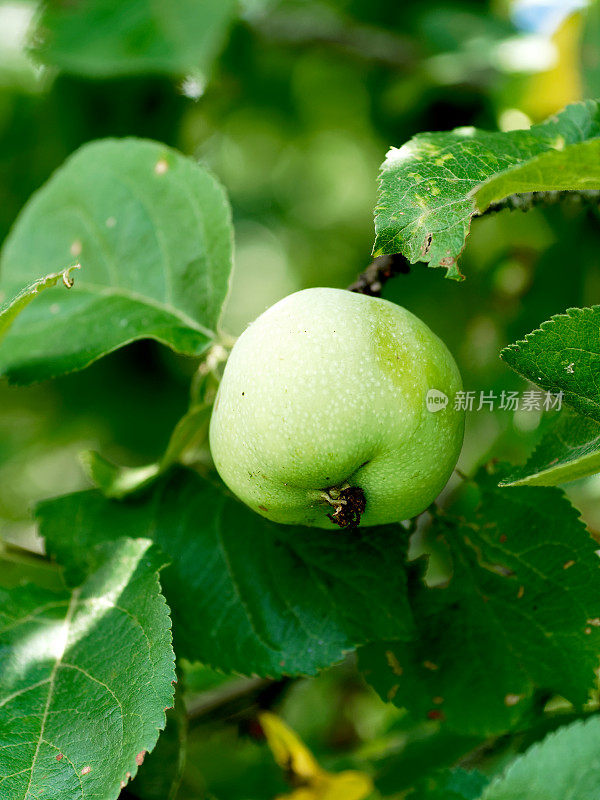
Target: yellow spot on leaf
<point x="512" y="699"/>
<point x="393" y="663"/>
<point x="393" y="692"/>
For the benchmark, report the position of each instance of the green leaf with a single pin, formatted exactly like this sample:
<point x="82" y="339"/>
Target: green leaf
<point x="564" y="765"/>
<point x="11" y="309"/>
<point x="247" y="595"/>
<point x="568" y="450"/>
<point x="19" y="566"/>
<point x="189" y="437"/>
<point x="107" y="38"/>
<point x="563" y="355"/>
<point x="576" y="168"/>
<point x="428" y="186"/>
<point x="85" y="678"/>
<point x="163" y="768"/>
<point x="114" y="480"/>
<point x="521" y="613"/>
<point x="454" y="784"/>
<point x="152" y="232"/>
<point x="430" y="748"/>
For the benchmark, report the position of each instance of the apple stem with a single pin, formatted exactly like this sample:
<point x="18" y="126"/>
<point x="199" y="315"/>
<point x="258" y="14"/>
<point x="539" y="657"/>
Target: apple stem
<point x="380" y="270"/>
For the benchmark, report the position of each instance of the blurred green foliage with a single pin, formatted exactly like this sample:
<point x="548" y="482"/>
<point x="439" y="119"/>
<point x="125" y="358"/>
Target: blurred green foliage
<point x="295" y="116"/>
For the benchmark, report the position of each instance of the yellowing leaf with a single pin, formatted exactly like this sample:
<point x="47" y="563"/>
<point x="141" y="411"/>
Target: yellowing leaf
<point x="289" y="751"/>
<point x="343" y="786"/>
<point x="312" y="781"/>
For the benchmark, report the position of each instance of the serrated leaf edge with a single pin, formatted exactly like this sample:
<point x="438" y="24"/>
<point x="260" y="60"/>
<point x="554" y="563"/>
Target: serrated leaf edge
<point x="533" y="751"/>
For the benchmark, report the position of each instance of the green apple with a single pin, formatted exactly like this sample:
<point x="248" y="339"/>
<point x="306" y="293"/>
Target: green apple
<point x="331" y="412"/>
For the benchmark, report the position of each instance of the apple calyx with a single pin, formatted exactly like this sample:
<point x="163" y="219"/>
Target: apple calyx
<point x="349" y="505"/>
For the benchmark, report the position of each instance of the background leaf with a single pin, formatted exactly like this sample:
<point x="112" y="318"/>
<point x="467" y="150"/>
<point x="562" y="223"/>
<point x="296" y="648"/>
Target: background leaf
<point x="568" y="450"/>
<point x="426" y="200"/>
<point x="246" y="595"/>
<point x="152" y="232"/>
<point x="563" y="355"/>
<point x="565" y="764"/>
<point x="186" y="443"/>
<point x="18" y="567"/>
<point x="107" y="38"/>
<point x="455" y="784"/>
<point x="430" y="749"/>
<point x="86" y="676"/>
<point x="521" y="612"/>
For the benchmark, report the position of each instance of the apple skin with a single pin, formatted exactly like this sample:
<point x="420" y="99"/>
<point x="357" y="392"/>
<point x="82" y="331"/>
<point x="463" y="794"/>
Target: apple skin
<point x="327" y="389"/>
